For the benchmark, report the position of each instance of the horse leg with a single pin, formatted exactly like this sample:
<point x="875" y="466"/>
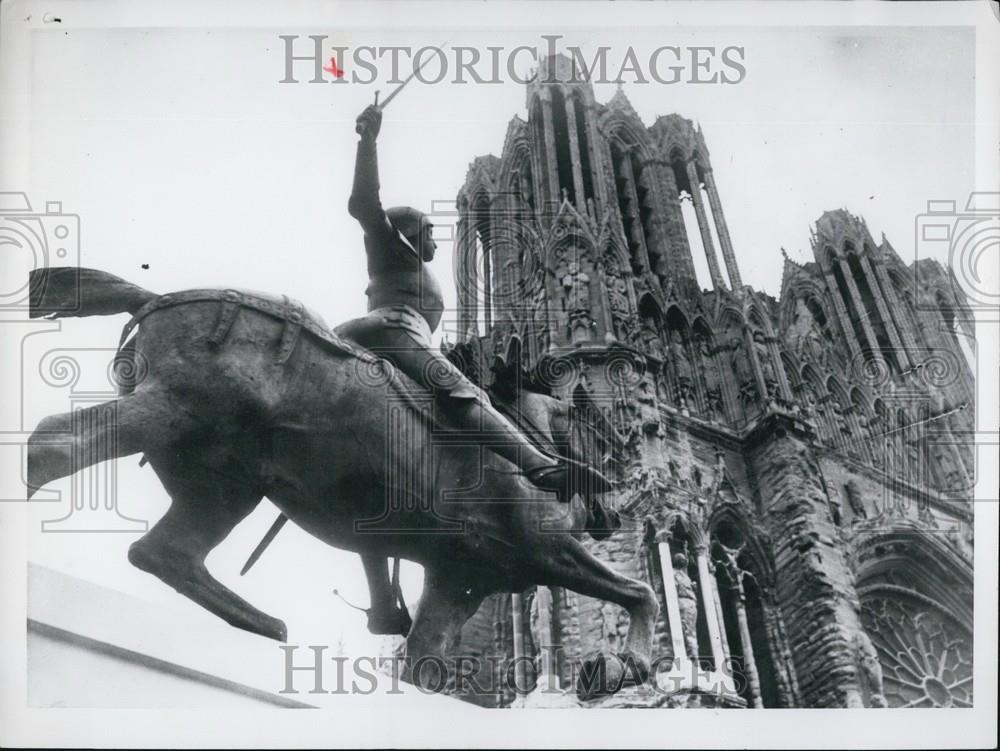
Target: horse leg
<point x="384" y="615"/>
<point x="64" y="444"/>
<point x="565" y="562"/>
<point x="207" y="503"/>
<point x="445" y="606"/>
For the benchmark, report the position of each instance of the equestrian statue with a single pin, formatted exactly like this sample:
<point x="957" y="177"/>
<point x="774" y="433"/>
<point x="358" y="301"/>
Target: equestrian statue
<point x="365" y="436"/>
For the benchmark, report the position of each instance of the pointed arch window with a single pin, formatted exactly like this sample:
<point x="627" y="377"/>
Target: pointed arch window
<point x="582" y="138"/>
<point x="740" y="581"/>
<point x="871" y="309"/>
<point x="563" y="155"/>
<point x="481" y="231"/>
<point x="635" y="203"/>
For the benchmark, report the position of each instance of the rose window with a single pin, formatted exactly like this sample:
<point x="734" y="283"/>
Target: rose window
<point x="926" y="656"/>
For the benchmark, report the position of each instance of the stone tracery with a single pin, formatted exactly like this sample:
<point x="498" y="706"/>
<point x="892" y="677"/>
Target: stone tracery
<point x="817" y="403"/>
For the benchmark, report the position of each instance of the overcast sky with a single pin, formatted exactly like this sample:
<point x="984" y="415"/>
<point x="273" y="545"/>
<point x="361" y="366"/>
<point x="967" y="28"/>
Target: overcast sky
<point x="178" y="149"/>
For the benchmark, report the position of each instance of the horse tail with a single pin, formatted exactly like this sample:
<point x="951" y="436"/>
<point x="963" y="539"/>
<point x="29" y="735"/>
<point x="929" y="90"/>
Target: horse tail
<point x="71" y="292"/>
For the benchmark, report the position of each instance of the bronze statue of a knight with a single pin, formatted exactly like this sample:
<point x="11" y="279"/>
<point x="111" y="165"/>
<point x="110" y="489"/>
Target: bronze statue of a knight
<point x="404" y="309"/>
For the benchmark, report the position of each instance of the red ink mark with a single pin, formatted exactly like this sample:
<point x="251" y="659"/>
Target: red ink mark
<point x="332" y="68"/>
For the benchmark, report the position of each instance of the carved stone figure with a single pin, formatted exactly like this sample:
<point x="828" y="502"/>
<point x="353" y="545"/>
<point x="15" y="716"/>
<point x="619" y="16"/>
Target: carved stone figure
<point x="576" y="285"/>
<point x="948" y="471"/>
<point x="618" y="301"/>
<point x="766" y="366"/>
<point x="745" y="381"/>
<point x="687" y="603"/>
<point x="525" y="189"/>
<point x="854" y="500"/>
<point x="810" y="339"/>
<point x="714" y="405"/>
<point x="609" y="626"/>
<point x="870" y="669"/>
<point x="839" y="420"/>
<point x="540" y="314"/>
<point x="651" y="339"/>
<point x="683" y="372"/>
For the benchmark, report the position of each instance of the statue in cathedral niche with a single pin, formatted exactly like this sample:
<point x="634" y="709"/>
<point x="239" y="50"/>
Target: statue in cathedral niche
<point x="766" y="366"/>
<point x="687" y="603"/>
<point x="745" y="381"/>
<point x="857" y="505"/>
<point x="540" y="314"/>
<point x="950" y="478"/>
<point x="840" y="420"/>
<point x="525" y="189"/>
<point x="714" y="409"/>
<point x="651" y="338"/>
<point x="683" y="372"/>
<point x="810" y="338"/>
<point x="576" y="288"/>
<point x="870" y="669"/>
<point x="618" y="302"/>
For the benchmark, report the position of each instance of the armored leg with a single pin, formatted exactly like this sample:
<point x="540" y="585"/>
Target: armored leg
<point x="385" y="616"/>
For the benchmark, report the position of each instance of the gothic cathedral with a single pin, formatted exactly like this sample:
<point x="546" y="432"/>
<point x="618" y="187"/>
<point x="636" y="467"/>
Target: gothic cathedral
<point x="796" y="473"/>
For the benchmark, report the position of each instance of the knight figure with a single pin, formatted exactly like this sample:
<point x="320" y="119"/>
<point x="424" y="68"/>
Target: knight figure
<point x="405" y="306"/>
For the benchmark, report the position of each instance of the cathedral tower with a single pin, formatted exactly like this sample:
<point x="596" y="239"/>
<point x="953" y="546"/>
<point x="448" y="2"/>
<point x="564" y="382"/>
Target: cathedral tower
<point x="794" y="474"/>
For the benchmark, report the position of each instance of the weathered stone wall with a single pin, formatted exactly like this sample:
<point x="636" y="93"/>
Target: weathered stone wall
<point x="814" y="585"/>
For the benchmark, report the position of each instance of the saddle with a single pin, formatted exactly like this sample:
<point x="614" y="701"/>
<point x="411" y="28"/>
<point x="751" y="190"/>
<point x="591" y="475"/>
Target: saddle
<point x="293" y="313"/>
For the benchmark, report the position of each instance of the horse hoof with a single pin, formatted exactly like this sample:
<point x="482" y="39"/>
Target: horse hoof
<point x="393" y="623"/>
<point x="601" y="674"/>
<point x="276" y="630"/>
<point x="636" y="668"/>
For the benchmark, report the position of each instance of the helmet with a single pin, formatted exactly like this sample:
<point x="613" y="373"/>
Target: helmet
<point x="407" y="220"/>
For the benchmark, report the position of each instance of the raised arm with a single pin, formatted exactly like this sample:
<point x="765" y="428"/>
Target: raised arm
<point x="364" y="204"/>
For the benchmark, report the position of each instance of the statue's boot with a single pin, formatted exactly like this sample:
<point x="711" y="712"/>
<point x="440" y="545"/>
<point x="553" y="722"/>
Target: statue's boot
<point x="601" y="522"/>
<point x="387" y="615"/>
<point x="562" y="476"/>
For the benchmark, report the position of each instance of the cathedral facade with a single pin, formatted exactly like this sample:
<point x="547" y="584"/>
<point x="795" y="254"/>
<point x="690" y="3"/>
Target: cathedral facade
<point x="796" y="478"/>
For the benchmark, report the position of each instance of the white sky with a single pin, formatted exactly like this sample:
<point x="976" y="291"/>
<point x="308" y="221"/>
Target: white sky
<point x="179" y="149"/>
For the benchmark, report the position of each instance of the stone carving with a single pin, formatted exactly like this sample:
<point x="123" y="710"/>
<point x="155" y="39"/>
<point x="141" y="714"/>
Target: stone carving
<point x="810" y="340"/>
<point x="854" y="500"/>
<point x="576" y="289"/>
<point x="526" y="191"/>
<point x="651" y="339"/>
<point x="745" y="381"/>
<point x="766" y="366"/>
<point x="843" y="429"/>
<point x="540" y="315"/>
<point x="683" y="373"/>
<point x="609" y="626"/>
<point x="714" y="405"/>
<point x="618" y="301"/>
<point x="948" y="471"/>
<point x="870" y="669"/>
<point x="687" y="603"/>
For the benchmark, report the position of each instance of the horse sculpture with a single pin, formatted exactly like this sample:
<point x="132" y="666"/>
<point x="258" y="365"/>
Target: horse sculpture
<point x="234" y="396"/>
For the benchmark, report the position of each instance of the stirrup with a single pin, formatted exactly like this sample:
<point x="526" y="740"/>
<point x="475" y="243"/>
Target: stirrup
<point x="586" y="479"/>
<point x="552" y="477"/>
